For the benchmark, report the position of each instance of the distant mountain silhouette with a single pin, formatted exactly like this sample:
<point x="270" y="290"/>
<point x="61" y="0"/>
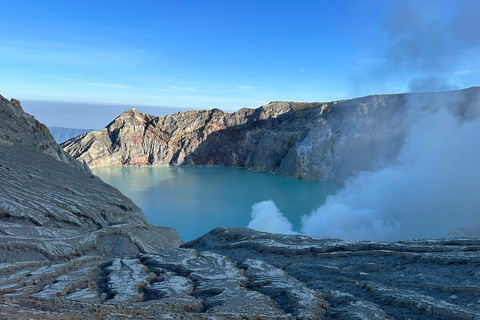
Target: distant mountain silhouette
<point x="61" y="134"/>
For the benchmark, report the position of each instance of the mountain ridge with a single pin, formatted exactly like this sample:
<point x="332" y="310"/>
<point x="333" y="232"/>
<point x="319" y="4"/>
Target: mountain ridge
<point x="330" y="141"/>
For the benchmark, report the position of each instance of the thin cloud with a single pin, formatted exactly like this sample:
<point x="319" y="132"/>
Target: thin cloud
<point x="106" y="85"/>
<point x="246" y="88"/>
<point x="185" y="88"/>
<point x="80" y="82"/>
<point x="70" y="54"/>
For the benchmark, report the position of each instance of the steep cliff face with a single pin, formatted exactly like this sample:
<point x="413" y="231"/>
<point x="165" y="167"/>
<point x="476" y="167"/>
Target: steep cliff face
<point x="183" y="138"/>
<point x="52" y="207"/>
<point x="327" y="141"/>
<point x="20" y="128"/>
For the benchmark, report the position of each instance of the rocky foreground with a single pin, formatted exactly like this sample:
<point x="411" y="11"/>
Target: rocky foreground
<point x="327" y="141"/>
<point x="242" y="274"/>
<point x="52" y="207"/>
<point x="73" y="247"/>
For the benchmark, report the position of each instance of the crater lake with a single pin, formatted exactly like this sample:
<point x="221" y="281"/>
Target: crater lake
<point x="194" y="200"/>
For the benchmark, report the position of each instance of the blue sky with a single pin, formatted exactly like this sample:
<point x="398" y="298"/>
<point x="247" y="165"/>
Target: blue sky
<point x="228" y="54"/>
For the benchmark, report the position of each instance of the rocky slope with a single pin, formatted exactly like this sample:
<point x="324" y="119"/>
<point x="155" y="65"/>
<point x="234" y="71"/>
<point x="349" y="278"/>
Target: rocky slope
<point x="19" y="129"/>
<point x="243" y="274"/>
<point x="326" y="141"/>
<point x="52" y="207"/>
<point x="73" y="247"/>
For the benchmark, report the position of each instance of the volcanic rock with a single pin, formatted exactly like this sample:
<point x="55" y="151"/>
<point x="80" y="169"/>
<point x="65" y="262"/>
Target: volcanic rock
<point x="52" y="207"/>
<point x="327" y="141"/>
<point x="234" y="273"/>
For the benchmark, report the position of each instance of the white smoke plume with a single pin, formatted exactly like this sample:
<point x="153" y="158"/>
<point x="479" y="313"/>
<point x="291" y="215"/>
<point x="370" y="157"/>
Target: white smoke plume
<point x="434" y="184"/>
<point x="267" y="217"/>
<point x="433" y="187"/>
<point x="429" y="45"/>
<point x="435" y="46"/>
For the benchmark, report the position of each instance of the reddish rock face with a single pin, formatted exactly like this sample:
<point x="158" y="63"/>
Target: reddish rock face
<point x="327" y="141"/>
<point x="135" y="138"/>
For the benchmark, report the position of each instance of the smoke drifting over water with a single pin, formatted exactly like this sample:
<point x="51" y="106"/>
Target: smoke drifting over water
<point x="267" y="217"/>
<point x="433" y="186"/>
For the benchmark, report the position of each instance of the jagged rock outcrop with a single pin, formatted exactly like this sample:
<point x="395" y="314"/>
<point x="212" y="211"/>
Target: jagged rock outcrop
<point x="53" y="208"/>
<point x="234" y="273"/>
<point x="326" y="141"/>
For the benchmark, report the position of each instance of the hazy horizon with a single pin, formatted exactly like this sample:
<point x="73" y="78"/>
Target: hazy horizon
<point x="78" y="115"/>
<point x="213" y="54"/>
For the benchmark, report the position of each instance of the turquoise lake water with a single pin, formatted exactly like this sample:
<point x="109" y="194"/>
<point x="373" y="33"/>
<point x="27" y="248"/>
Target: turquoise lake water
<point x="194" y="200"/>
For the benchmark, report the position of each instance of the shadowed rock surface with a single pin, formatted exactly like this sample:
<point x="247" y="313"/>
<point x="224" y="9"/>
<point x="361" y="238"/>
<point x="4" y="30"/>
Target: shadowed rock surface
<point x="52" y="207"/>
<point x="327" y="141"/>
<point x="23" y="130"/>
<point x="416" y="279"/>
<point x="234" y="273"/>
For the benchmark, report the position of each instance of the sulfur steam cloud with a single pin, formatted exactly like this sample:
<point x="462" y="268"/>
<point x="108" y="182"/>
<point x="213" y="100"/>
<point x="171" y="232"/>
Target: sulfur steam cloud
<point x="434" y="48"/>
<point x="433" y="186"/>
<point x="267" y="217"/>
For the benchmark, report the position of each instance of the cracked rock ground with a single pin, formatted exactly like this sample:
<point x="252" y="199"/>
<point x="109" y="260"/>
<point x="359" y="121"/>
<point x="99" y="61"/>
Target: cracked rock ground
<point x="232" y="273"/>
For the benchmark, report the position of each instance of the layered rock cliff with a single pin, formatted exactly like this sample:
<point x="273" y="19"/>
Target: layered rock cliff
<point x="52" y="207"/>
<point x="327" y="141"/>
